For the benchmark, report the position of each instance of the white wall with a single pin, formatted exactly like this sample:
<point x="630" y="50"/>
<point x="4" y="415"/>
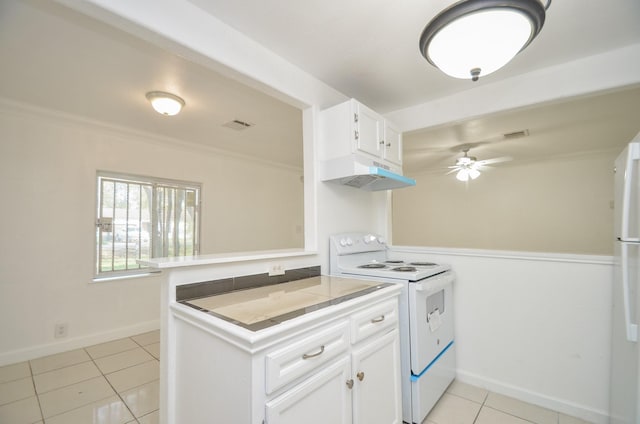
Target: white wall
<point x="533" y="326"/>
<point x="48" y="167"/>
<point x="562" y="205"/>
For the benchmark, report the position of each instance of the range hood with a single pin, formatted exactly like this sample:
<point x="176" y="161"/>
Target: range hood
<point x="363" y="173"/>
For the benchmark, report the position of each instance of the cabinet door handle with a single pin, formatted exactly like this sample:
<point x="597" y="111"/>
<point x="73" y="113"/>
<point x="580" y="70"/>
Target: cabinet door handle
<point x="356" y="134"/>
<point x="313" y="355"/>
<point x="350" y="383"/>
<point x="381" y="141"/>
<point x="388" y="144"/>
<point x="376" y="320"/>
<point x="360" y="375"/>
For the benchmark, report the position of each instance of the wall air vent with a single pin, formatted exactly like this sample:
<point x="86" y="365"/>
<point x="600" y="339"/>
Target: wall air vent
<point x="238" y="125"/>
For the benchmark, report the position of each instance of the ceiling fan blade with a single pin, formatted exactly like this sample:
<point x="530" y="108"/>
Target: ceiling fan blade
<point x="494" y="160"/>
<point x="456" y="169"/>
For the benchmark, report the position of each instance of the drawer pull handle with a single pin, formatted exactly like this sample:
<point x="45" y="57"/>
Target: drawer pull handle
<point x="350" y="383"/>
<point x="379" y="319"/>
<point x="313" y="355"/>
<point x="360" y="375"/>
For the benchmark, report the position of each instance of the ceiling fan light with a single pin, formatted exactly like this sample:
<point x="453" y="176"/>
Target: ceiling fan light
<point x="165" y="103"/>
<point x="463" y="175"/>
<point x="474" y="38"/>
<point x="474" y="173"/>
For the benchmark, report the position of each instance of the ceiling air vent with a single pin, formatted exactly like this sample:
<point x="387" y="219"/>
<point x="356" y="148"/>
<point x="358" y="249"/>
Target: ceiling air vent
<point x="516" y="134"/>
<point x="238" y="125"/>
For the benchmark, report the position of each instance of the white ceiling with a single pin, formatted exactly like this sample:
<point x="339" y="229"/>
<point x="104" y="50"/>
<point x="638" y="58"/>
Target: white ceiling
<point x="368" y="49"/>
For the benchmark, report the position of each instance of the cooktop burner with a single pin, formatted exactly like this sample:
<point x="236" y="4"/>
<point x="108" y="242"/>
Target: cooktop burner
<point x="404" y="269"/>
<point x="401" y="266"/>
<point x="372" y="266"/>
<point x="423" y="264"/>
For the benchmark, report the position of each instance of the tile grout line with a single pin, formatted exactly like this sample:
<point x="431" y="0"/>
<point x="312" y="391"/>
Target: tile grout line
<point x="35" y="391"/>
<point x="114" y="389"/>
<point x="37" y="395"/>
<point x="481" y="406"/>
<point x="81" y="406"/>
<point x="67" y="385"/>
<point x="484" y="405"/>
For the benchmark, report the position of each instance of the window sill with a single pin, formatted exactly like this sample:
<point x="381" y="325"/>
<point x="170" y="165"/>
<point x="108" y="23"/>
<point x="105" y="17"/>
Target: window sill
<point x="126" y="276"/>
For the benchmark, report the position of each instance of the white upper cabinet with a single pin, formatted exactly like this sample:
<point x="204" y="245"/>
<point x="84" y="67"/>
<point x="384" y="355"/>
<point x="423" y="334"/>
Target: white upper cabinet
<point x="351" y="127"/>
<point x="392" y="143"/>
<point x="368" y="129"/>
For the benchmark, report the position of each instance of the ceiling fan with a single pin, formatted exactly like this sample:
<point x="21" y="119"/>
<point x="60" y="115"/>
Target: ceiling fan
<point x="469" y="167"/>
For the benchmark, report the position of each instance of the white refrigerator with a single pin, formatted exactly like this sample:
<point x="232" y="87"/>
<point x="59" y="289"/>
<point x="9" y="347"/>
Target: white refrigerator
<point x="625" y="352"/>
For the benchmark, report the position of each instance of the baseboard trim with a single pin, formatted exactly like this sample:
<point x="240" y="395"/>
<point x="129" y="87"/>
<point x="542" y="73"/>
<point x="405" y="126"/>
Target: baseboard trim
<point x="593" y="415"/>
<point x="34" y="352"/>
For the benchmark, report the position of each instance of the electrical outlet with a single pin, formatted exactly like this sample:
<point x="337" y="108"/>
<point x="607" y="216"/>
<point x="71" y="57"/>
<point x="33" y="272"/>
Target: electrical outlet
<point x="60" y="330"/>
<point x="276" y="270"/>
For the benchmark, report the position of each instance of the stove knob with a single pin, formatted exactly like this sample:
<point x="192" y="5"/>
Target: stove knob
<point x="343" y="242"/>
<point x="369" y="238"/>
<point x="381" y="240"/>
<point x="349" y="241"/>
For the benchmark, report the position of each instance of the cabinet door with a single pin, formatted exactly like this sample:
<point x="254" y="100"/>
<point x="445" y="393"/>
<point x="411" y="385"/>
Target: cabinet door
<point x="369" y="127"/>
<point x="376" y="375"/>
<point x="323" y="398"/>
<point x="393" y="144"/>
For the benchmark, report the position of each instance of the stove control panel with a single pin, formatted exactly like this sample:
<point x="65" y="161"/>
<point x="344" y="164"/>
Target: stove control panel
<point x="357" y="242"/>
<point x="347" y="241"/>
<point x="369" y="238"/>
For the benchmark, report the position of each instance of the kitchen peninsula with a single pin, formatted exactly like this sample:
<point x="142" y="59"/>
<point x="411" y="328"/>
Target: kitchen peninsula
<point x="247" y="346"/>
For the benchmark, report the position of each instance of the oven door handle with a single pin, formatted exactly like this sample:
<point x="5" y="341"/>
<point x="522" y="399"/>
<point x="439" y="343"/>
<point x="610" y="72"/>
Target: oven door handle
<point x="433" y="284"/>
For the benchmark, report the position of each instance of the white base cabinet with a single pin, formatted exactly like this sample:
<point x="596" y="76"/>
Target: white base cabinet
<point x="338" y="365"/>
<point x="364" y="389"/>
<point x="321" y="399"/>
<point x="376" y="391"/>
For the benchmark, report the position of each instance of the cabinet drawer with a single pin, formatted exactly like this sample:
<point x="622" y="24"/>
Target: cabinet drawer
<point x="301" y="357"/>
<point x="373" y="320"/>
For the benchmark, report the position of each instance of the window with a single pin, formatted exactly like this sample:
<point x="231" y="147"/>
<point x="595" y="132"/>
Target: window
<point x="143" y="218"/>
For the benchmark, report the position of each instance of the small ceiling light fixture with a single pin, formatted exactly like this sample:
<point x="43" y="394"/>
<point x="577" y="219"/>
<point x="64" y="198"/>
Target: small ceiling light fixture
<point x="473" y="38"/>
<point x="165" y="103"/>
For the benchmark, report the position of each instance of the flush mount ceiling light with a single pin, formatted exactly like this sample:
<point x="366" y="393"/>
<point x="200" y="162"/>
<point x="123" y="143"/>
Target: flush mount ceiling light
<point x="165" y="103"/>
<point x="473" y="38"/>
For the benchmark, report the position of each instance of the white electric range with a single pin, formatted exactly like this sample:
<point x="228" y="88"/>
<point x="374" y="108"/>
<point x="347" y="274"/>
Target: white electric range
<point x="427" y="346"/>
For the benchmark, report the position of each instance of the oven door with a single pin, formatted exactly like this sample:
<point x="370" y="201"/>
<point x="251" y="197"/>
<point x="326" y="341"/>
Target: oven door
<point x="430" y="319"/>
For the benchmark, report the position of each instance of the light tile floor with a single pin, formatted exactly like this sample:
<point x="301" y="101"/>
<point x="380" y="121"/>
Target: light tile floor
<point x="465" y="404"/>
<point x="118" y="383"/>
<point x="111" y="383"/>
